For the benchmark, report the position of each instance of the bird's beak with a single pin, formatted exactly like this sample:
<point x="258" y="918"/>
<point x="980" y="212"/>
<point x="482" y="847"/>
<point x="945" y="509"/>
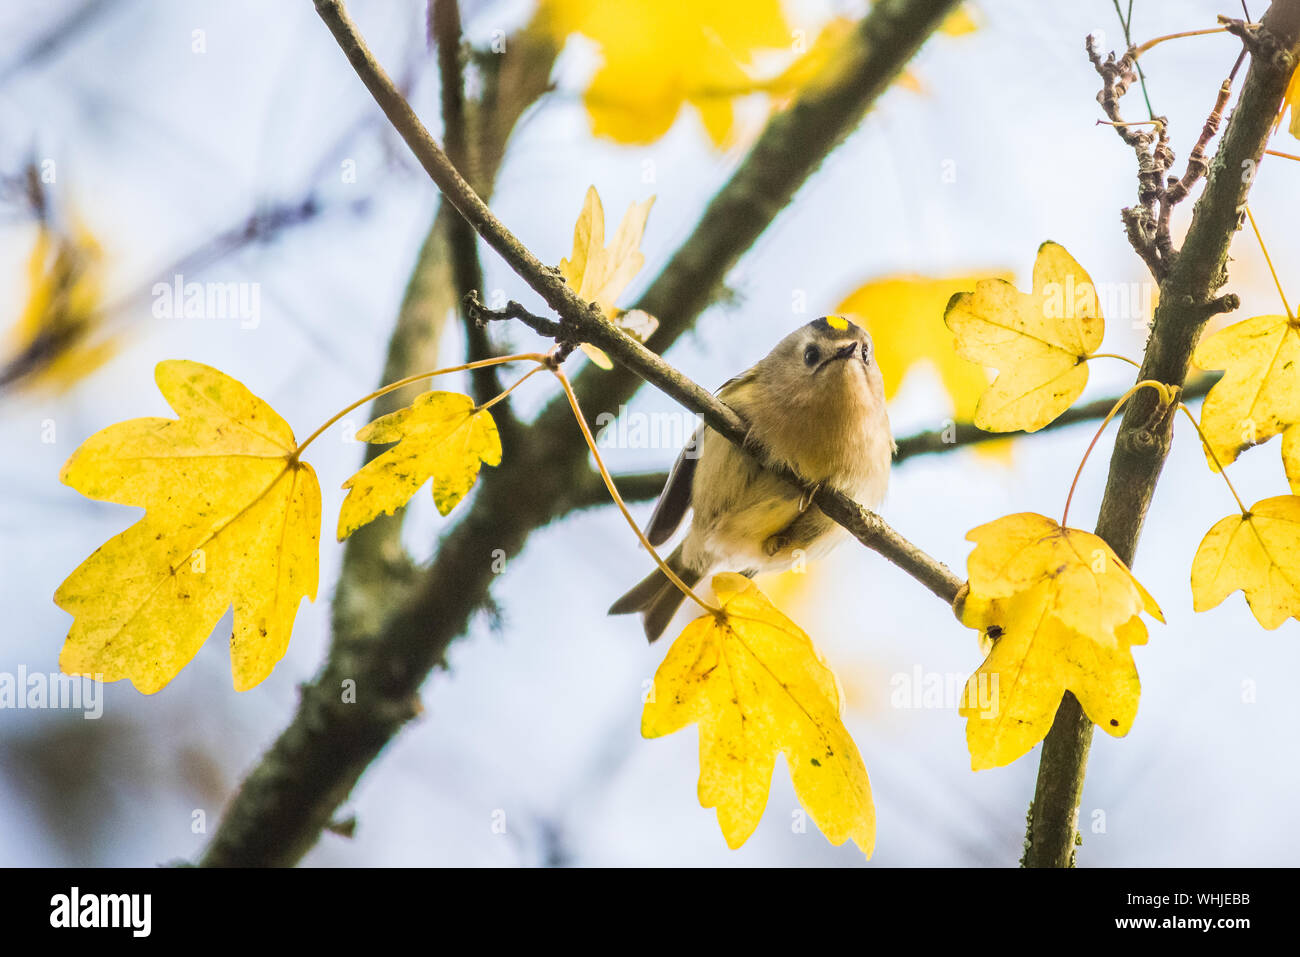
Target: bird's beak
<point x="845" y="350"/>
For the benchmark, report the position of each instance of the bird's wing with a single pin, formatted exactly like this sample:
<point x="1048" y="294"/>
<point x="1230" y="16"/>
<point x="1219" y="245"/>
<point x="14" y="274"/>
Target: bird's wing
<point x="675" y="499"/>
<point x="676" y="496"/>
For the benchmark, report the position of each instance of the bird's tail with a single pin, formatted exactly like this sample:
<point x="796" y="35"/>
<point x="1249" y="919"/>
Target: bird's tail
<point x="657" y="598"/>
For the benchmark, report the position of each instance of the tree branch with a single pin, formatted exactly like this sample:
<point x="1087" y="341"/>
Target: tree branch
<point x="1187" y="299"/>
<point x="310" y="770"/>
<point x="466" y="270"/>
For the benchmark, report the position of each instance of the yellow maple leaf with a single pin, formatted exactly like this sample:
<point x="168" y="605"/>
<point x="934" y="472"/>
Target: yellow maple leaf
<point x="756" y="686"/>
<point x="1291" y="457"/>
<point x="794" y="588"/>
<point x="58" y="338"/>
<point x="1257" y="397"/>
<point x="960" y="22"/>
<point x="1061" y="612"/>
<point x="1016" y="552"/>
<point x="658" y="57"/>
<point x="815" y="69"/>
<point x="1010" y="702"/>
<point x="441" y="435"/>
<point x="599" y="274"/>
<point x="1258" y="553"/>
<point x="904" y="315"/>
<point x="1039" y="342"/>
<point x="232" y="516"/>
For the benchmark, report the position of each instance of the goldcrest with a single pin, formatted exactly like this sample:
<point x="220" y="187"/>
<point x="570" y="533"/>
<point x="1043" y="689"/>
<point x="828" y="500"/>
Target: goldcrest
<point x="815" y="403"/>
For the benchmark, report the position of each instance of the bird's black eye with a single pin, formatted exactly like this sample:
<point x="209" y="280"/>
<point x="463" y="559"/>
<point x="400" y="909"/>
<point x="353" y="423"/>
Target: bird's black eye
<point x="866" y="351"/>
<point x="811" y="355"/>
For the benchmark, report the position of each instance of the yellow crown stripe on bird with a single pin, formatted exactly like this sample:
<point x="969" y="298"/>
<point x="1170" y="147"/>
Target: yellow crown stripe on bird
<point x="836" y="323"/>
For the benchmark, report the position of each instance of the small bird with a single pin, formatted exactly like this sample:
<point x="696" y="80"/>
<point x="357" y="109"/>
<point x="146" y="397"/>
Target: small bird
<point x="815" y="403"/>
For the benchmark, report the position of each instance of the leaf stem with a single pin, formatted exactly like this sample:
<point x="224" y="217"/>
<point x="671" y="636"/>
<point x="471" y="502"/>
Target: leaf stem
<point x="505" y="392"/>
<point x="394" y="386"/>
<point x="1126" y="22"/>
<point x="1115" y="355"/>
<point x="1165" y="397"/>
<point x="1268" y="259"/>
<point x="1158" y="124"/>
<point x="618" y="499"/>
<point x="1290" y="156"/>
<point x="1206" y="442"/>
<point x="1138" y="51"/>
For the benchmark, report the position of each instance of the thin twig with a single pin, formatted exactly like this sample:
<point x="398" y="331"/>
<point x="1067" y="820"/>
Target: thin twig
<point x="1179" y="188"/>
<point x="479" y="313"/>
<point x="1154" y="157"/>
